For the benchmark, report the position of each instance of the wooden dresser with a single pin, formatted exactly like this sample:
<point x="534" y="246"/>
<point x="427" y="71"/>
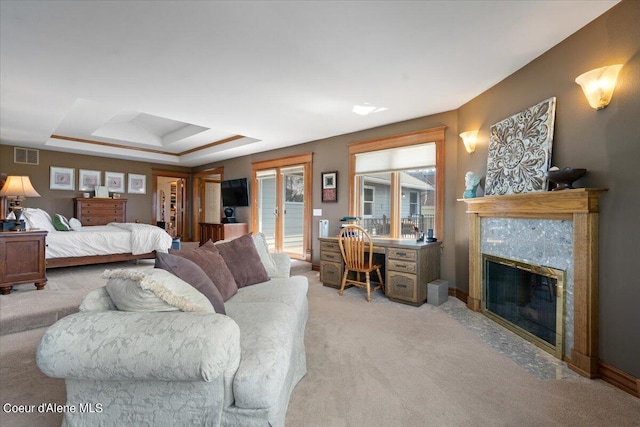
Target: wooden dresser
<point x="100" y="211"/>
<point x="215" y="232"/>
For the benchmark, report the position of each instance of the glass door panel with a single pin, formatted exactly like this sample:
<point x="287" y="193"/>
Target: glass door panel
<point x="267" y="212"/>
<point x="293" y="210"/>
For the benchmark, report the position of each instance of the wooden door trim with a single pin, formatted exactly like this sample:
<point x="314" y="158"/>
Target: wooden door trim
<point x="197" y="200"/>
<point x="155" y="173"/>
<point x="306" y="160"/>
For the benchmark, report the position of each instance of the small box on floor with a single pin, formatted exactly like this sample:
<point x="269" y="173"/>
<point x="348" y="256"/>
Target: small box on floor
<point x="437" y="292"/>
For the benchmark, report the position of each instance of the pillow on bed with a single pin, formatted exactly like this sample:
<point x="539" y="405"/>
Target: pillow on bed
<point x="210" y="261"/>
<point x="37" y="218"/>
<point x="75" y="224"/>
<point x="153" y="290"/>
<point x="241" y="256"/>
<point x="191" y="273"/>
<point x="61" y="223"/>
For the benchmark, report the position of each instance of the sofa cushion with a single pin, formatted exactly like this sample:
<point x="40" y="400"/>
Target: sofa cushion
<point x="211" y="262"/>
<point x="153" y="290"/>
<point x="243" y="260"/>
<point x="262" y="247"/>
<point x="97" y="300"/>
<point x="191" y="273"/>
<point x="291" y="291"/>
<point x="268" y="333"/>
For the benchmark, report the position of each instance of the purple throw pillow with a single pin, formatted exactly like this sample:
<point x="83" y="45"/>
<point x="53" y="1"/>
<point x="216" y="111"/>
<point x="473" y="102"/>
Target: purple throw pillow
<point x="191" y="273"/>
<point x="243" y="260"/>
<point x="211" y="262"/>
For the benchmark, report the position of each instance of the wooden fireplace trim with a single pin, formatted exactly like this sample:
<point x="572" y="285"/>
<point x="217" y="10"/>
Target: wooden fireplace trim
<point x="581" y="205"/>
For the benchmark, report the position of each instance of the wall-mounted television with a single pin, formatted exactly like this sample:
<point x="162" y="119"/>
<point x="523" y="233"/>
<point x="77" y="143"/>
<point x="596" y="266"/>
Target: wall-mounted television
<point x="235" y="192"/>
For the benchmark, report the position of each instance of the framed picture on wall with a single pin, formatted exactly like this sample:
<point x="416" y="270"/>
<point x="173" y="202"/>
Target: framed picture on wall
<point x="62" y="178"/>
<point x="114" y="181"/>
<point x="329" y="186"/>
<point x="88" y="180"/>
<point x="137" y="184"/>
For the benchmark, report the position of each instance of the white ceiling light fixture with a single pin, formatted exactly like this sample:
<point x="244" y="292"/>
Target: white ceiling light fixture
<point x="366" y="109"/>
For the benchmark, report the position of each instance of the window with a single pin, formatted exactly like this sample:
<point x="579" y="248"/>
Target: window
<point x="394" y="183"/>
<point x="367" y="201"/>
<point x="413" y="203"/>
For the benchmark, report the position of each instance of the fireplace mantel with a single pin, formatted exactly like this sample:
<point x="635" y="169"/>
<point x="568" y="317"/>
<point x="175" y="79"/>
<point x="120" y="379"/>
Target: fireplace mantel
<point x="579" y="205"/>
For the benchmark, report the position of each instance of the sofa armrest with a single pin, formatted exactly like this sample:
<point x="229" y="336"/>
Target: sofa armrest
<point x="283" y="265"/>
<point x="119" y="345"/>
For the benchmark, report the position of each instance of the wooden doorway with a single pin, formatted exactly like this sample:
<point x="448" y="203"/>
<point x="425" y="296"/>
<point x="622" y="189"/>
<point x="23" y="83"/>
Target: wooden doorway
<point x="170" y="202"/>
<point x="206" y="199"/>
<point x="281" y="204"/>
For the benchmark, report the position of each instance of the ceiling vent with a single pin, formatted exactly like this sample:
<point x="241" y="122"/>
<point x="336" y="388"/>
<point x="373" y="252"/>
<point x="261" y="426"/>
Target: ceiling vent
<point x="26" y="156"/>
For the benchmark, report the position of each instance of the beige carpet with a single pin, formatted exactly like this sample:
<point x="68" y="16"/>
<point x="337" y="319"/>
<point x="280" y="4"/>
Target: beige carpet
<point x="381" y="364"/>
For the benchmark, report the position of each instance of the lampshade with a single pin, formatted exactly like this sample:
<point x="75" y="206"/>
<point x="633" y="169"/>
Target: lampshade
<point x="469" y="139"/>
<point x="598" y="85"/>
<point x="18" y="187"/>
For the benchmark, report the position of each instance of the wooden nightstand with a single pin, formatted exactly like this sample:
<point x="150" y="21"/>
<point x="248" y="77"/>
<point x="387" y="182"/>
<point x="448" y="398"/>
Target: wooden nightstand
<point x="22" y="259"/>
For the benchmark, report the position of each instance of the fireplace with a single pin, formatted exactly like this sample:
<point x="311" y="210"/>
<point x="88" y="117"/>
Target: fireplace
<point x="526" y="298"/>
<point x="548" y="228"/>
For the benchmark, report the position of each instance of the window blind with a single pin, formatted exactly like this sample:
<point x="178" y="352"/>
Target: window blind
<point x="417" y="156"/>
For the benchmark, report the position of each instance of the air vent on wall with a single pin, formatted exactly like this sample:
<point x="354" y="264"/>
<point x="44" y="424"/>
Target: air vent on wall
<point x="26" y="156"/>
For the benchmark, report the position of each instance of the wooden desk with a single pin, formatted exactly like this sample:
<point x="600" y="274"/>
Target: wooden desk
<point x="408" y="266"/>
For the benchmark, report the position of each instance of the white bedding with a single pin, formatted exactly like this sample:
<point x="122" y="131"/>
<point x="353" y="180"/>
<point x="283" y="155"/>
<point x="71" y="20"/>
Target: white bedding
<point x="115" y="238"/>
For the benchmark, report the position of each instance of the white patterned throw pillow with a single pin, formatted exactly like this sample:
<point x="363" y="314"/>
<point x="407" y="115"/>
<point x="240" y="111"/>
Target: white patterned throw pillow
<point x="153" y="290"/>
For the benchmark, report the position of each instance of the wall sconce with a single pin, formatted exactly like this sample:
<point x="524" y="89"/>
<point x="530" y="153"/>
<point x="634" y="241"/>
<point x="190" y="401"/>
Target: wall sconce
<point x="598" y="85"/>
<point x="469" y="139"/>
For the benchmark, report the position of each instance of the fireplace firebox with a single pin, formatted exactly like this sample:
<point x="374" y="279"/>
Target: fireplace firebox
<point x="527" y="299"/>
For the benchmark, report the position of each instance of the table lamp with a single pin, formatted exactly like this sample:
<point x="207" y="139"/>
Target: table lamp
<point x="18" y="188"/>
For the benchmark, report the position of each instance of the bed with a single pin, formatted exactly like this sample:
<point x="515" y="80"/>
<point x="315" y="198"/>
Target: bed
<point x="83" y="245"/>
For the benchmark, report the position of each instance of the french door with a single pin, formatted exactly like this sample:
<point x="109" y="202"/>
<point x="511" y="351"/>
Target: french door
<point x="281" y="204"/>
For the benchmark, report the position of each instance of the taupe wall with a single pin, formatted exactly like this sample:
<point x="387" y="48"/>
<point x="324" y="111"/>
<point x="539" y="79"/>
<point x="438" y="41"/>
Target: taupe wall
<point x="139" y="206"/>
<point x="606" y="143"/>
<point x="332" y="154"/>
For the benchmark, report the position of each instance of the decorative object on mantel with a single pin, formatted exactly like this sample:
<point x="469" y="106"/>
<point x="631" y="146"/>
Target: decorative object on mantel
<point x="471" y="181"/>
<point x="520" y="151"/>
<point x="598" y="85"/>
<point x="564" y="178"/>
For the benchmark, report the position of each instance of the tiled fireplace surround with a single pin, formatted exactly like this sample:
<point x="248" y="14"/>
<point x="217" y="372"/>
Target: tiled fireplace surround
<point x="557" y="229"/>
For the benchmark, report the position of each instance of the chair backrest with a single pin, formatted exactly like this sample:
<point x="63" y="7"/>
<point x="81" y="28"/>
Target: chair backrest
<point x="356" y="247"/>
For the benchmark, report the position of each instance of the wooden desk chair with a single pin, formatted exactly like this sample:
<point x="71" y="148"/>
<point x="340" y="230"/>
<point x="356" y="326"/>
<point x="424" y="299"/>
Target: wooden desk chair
<point x="357" y="251"/>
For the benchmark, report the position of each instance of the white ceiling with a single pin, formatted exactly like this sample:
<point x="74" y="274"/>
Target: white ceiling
<point x="167" y="77"/>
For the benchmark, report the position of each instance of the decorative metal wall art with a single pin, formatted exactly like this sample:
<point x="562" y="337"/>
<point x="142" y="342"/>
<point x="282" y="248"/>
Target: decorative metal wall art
<point x="520" y="151"/>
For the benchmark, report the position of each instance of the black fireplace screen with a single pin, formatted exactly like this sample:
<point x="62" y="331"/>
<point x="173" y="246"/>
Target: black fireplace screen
<point x="526" y="296"/>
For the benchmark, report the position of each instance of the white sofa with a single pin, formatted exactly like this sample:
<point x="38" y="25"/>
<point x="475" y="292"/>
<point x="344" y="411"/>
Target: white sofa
<point x="182" y="368"/>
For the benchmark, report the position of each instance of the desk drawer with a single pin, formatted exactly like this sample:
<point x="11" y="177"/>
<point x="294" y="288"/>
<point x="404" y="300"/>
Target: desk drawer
<point x="331" y="256"/>
<point x="331" y="273"/>
<point x="402" y="286"/>
<point x="399" y="265"/>
<point x="404" y="254"/>
<point x="329" y="246"/>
